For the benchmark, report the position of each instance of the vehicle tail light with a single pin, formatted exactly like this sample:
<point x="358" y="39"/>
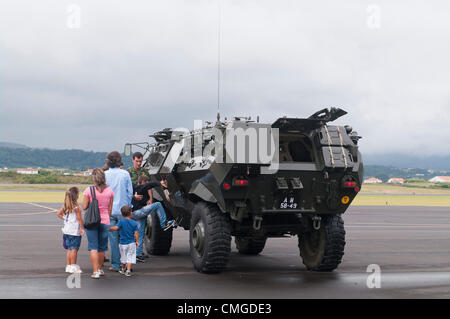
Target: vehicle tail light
<point x="350" y="184"/>
<point x="240" y="182"/>
<point x="226" y="186"/>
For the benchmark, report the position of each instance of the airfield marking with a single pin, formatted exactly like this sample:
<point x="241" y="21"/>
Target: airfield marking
<point x="4" y="225"/>
<point x="397" y="226"/>
<point x="23" y="214"/>
<point x="352" y="225"/>
<point x="347" y="226"/>
<point x="51" y="210"/>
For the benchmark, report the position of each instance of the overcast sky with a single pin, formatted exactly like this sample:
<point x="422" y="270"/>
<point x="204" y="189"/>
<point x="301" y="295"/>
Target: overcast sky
<point x="130" y="68"/>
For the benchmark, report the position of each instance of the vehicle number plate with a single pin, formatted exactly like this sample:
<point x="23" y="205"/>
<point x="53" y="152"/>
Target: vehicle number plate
<point x="289" y="202"/>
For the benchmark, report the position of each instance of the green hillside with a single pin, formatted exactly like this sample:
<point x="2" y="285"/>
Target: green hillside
<point x="78" y="160"/>
<point x="386" y="172"/>
<point x="47" y="158"/>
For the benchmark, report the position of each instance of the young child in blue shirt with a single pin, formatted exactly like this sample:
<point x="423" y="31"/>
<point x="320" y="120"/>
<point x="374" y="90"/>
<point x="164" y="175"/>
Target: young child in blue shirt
<point x="129" y="240"/>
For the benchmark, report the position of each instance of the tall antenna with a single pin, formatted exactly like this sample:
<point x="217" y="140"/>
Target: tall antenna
<point x="218" y="60"/>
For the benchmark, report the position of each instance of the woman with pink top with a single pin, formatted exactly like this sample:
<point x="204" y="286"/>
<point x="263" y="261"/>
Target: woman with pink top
<point x="98" y="236"/>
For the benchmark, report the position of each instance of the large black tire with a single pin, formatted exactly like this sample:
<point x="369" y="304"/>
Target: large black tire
<point x="322" y="250"/>
<point x="156" y="240"/>
<point x="209" y="238"/>
<point x="250" y="246"/>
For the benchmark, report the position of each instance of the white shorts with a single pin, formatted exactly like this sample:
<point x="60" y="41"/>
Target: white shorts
<point x="128" y="253"/>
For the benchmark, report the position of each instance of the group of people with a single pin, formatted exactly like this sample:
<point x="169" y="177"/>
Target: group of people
<point x="124" y="200"/>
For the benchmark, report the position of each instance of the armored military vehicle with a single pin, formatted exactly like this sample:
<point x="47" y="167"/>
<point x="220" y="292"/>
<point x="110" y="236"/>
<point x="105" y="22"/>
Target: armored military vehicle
<point x="301" y="190"/>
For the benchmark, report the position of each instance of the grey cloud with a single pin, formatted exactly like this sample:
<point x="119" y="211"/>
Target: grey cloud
<point x="133" y="69"/>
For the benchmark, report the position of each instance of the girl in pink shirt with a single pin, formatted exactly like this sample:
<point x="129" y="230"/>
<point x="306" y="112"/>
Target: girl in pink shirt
<point x="98" y="236"/>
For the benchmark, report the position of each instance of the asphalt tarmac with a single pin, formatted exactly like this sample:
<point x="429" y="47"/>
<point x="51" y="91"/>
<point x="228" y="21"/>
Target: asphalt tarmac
<point x="410" y="245"/>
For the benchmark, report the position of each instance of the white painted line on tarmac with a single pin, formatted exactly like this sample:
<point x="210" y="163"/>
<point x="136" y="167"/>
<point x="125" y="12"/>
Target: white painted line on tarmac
<point x="5" y="225"/>
<point x="51" y="210"/>
<point x="346" y="226"/>
<point x="431" y="279"/>
<point x="26" y="214"/>
<point x="395" y="224"/>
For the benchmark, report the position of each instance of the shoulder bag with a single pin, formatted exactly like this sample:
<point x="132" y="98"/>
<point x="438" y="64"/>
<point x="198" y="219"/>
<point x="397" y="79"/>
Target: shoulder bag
<point x="92" y="216"/>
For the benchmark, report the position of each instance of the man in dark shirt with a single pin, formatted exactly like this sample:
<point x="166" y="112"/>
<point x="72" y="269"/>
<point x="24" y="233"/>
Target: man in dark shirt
<point x="141" y="210"/>
<point x="137" y="170"/>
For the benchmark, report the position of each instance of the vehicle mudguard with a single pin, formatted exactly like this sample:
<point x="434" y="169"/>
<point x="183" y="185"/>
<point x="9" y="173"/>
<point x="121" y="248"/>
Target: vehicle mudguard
<point x="208" y="189"/>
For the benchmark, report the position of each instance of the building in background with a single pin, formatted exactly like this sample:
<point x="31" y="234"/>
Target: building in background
<point x="88" y="172"/>
<point x="440" y="179"/>
<point x="399" y="181"/>
<point x="28" y="171"/>
<point x="372" y="180"/>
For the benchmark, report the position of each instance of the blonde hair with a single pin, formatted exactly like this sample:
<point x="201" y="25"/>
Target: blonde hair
<point x="70" y="200"/>
<point x="99" y="179"/>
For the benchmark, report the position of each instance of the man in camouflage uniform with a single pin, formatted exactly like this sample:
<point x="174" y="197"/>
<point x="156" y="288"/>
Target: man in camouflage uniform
<point x="137" y="170"/>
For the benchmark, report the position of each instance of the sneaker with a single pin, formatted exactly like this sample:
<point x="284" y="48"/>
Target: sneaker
<point x="169" y="224"/>
<point x="122" y="271"/>
<point x="101" y="272"/>
<point x="73" y="269"/>
<point x="140" y="259"/>
<point x="95" y="275"/>
<point x="128" y="273"/>
<point x="76" y="269"/>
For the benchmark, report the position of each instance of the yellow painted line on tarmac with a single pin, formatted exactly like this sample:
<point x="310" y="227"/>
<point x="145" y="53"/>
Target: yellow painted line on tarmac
<point x="32" y="197"/>
<point x="401" y="200"/>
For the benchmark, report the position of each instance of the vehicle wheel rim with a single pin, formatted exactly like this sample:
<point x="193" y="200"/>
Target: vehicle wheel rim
<point x="198" y="237"/>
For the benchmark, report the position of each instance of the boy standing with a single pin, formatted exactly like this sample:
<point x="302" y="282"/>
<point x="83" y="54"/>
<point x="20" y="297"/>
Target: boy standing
<point x="120" y="182"/>
<point x="129" y="240"/>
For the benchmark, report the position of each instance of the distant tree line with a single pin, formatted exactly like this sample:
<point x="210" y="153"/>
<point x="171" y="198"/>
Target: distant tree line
<point x="47" y="158"/>
<point x="385" y="173"/>
<point x="78" y="160"/>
